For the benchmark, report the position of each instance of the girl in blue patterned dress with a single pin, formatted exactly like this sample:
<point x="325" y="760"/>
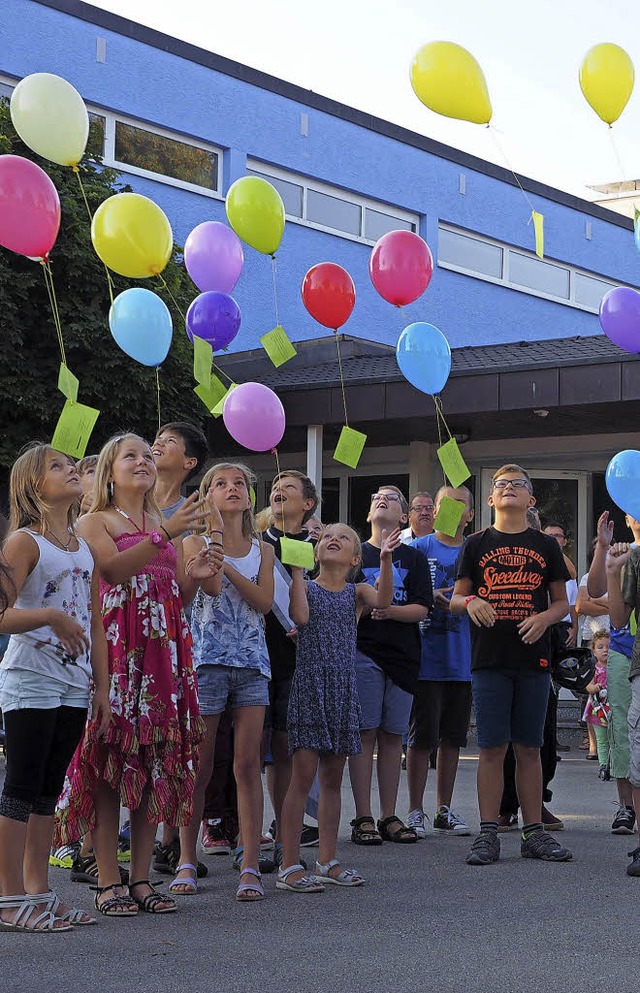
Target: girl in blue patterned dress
<point x="232" y="663"/>
<point x="324" y="712"/>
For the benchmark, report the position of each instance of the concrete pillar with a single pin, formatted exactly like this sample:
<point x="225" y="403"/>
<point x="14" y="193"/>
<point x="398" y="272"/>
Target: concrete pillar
<point x="424" y="469"/>
<point x="314" y="458"/>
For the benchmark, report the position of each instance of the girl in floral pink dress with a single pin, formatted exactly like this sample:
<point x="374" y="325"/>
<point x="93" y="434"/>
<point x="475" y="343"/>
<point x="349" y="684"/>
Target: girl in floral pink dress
<point x="148" y="760"/>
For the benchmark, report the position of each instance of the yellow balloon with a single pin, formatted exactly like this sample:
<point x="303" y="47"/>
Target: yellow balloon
<point x="132" y="235"/>
<point x="50" y="116"/>
<point x="606" y="79"/>
<point x="256" y="213"/>
<point x="448" y="80"/>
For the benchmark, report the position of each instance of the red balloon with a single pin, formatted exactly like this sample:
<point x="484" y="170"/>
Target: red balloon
<point x="400" y="267"/>
<point x="328" y="294"/>
<point x="29" y="207"/>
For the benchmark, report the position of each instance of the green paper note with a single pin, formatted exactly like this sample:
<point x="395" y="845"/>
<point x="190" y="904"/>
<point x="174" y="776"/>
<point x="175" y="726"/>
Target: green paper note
<point x="67" y="383"/>
<point x="219" y="407"/>
<point x="202" y="359"/>
<point x="454" y="466"/>
<point x="538" y="227"/>
<point x="277" y="346"/>
<point x="294" y="552"/>
<point x="211" y="394"/>
<point x="448" y="516"/>
<point x="74" y="427"/>
<point x="252" y="496"/>
<point x="349" y="447"/>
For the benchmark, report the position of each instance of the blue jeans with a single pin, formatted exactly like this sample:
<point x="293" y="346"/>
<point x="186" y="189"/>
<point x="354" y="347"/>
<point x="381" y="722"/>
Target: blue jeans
<point x="220" y="686"/>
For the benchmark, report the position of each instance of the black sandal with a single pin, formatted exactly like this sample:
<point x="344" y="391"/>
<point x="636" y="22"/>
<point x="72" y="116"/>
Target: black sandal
<point x="149" y="903"/>
<point x="401" y="836"/>
<point x="365" y="836"/>
<point x="110" y="907"/>
<point x="85" y="870"/>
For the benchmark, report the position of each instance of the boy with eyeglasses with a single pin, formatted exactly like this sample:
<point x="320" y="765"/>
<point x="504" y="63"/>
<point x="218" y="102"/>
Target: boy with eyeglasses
<point x="421" y="517"/>
<point x="511" y="583"/>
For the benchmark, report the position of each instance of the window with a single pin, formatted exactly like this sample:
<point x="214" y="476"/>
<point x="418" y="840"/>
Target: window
<point x="5" y="90"/>
<point x="475" y="255"/>
<point x="165" y="156"/>
<point x="329" y="208"/>
<point x="97" y="132"/>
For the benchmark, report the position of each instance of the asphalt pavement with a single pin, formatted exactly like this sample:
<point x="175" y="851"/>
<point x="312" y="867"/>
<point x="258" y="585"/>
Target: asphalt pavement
<point x="424" y="921"/>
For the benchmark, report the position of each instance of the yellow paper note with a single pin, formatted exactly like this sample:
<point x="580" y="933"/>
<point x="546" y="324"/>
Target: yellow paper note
<point x="454" y="466"/>
<point x="219" y="407"/>
<point x="349" y="447"/>
<point x="202" y="359"/>
<point x="211" y="394"/>
<point x="294" y="552"/>
<point x="74" y="427"/>
<point x="67" y="383"/>
<point x="538" y="227"/>
<point x="448" y="516"/>
<point x="277" y="346"/>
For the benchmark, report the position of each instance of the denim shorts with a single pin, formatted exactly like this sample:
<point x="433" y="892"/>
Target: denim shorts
<point x="25" y="689"/>
<point x="220" y="686"/>
<point x="384" y="705"/>
<point x="510" y="705"/>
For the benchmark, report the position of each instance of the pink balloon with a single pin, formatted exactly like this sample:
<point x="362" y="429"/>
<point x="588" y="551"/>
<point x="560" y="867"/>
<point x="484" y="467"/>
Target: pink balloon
<point x="29" y="208"/>
<point x="254" y="417"/>
<point x="400" y="267"/>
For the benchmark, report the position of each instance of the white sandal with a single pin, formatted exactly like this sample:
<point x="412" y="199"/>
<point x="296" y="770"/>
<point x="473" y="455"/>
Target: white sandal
<point x="24" y="905"/>
<point x="348" y="877"/>
<point x="307" y="884"/>
<point x="190" y="881"/>
<point x="72" y="916"/>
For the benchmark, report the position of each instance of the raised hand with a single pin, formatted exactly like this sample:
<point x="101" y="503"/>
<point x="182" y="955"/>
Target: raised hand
<point x="604" y="530"/>
<point x="207" y="563"/>
<point x="389" y="543"/>
<point x="617" y="555"/>
<point x="189" y="517"/>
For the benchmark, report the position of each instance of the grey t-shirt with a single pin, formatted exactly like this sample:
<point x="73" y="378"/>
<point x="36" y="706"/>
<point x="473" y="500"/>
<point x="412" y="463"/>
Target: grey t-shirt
<point x="168" y="511"/>
<point x="631" y="596"/>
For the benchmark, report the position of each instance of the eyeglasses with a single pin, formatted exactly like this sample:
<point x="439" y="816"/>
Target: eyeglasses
<point x="388" y="497"/>
<point x="517" y="484"/>
<point x="422" y="508"/>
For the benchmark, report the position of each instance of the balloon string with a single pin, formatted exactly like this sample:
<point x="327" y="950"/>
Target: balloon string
<point x="184" y="318"/>
<point x="435" y="401"/>
<point x="440" y="411"/>
<point x="275" y="454"/>
<point x="621" y="168"/>
<point x="86" y="203"/>
<point x="158" y="395"/>
<point x="344" y="392"/>
<point x="55" y="313"/>
<point x="493" y="134"/>
<point x="274" y="273"/>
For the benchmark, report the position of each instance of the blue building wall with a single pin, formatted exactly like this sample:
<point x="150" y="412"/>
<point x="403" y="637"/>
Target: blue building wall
<point x="171" y="91"/>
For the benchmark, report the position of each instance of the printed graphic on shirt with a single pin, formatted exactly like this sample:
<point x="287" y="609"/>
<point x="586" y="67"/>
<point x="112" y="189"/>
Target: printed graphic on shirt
<point x="371" y="575"/>
<point x="511" y="576"/>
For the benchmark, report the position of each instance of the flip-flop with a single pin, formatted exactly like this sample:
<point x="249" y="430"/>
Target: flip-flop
<point x="190" y="881"/>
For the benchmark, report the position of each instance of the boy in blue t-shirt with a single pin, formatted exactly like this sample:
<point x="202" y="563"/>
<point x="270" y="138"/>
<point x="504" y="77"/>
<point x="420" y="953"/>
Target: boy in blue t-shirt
<point x="442" y="699"/>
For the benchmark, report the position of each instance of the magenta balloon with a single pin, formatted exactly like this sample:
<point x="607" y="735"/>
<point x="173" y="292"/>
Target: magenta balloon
<point x="213" y="256"/>
<point x="620" y="317"/>
<point x="215" y="317"/>
<point x="29" y="208"/>
<point x="254" y="417"/>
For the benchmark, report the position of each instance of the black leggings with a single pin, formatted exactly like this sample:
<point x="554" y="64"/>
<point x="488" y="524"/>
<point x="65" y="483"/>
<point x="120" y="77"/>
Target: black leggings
<point x="40" y="745"/>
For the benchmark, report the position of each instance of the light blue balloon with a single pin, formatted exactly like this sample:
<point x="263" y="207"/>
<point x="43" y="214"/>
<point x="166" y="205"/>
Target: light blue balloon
<point x="623" y="481"/>
<point x="636" y="232"/>
<point x="141" y="324"/>
<point x="424" y="357"/>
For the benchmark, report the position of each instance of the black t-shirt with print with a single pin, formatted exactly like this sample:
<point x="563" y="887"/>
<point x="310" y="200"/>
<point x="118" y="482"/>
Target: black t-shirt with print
<point x="395" y="645"/>
<point x="282" y="650"/>
<point x="512" y="572"/>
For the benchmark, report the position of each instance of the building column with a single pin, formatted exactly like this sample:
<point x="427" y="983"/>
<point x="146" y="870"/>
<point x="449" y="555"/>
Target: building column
<point x="424" y="468"/>
<point x="314" y="459"/>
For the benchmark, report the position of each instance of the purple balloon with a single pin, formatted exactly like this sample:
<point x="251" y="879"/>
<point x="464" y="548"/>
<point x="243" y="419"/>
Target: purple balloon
<point x="215" y="317"/>
<point x="213" y="257"/>
<point x="620" y="317"/>
<point x="254" y="417"/>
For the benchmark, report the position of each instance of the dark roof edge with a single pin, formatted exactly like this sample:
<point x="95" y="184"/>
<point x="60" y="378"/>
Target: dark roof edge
<point x="255" y="77"/>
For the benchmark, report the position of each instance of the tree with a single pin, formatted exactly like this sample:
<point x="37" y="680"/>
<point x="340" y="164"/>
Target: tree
<point x="123" y="390"/>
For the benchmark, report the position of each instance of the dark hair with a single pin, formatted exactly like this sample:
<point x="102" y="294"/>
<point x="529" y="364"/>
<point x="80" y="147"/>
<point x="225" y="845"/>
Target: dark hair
<point x="195" y="443"/>
<point x="557" y="524"/>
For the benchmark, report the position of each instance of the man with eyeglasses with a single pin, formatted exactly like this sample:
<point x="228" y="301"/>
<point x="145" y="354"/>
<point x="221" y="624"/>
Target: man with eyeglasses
<point x="511" y="583"/>
<point x="421" y="517"/>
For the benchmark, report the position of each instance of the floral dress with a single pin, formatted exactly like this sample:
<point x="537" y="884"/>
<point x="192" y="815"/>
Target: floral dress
<point x="149" y="755"/>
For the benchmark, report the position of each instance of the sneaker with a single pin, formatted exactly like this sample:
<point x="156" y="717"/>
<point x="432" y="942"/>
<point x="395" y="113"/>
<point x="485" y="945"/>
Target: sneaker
<point x="446" y="820"/>
<point x="63" y="857"/>
<point x="624" y="821"/>
<point x="540" y="845"/>
<point x="213" y="838"/>
<point x="265" y="863"/>
<point x="166" y="859"/>
<point x="266" y="842"/>
<point x="124" y="843"/>
<point x="277" y="857"/>
<point x="485" y="849"/>
<point x="507" y="822"/>
<point x="633" y="869"/>
<point x="416" y="820"/>
<point x="310" y="836"/>
<point x="550" y="821"/>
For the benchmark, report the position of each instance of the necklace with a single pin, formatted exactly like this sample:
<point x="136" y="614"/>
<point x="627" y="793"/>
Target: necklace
<point x="61" y="543"/>
<point x="119" y="510"/>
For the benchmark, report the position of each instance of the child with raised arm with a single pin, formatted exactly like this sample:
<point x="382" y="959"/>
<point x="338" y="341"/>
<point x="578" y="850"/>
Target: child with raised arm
<point x="324" y="711"/>
<point x="57" y="645"/>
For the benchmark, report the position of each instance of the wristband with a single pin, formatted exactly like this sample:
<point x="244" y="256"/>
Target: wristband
<point x="217" y="531"/>
<point x="156" y="539"/>
<point x="468" y="599"/>
<point x="163" y="528"/>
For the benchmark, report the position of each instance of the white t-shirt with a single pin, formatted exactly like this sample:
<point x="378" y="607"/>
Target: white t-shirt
<point x="592" y="624"/>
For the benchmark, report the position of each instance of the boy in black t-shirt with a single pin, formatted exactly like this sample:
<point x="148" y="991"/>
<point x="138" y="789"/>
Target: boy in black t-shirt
<point x="511" y="582"/>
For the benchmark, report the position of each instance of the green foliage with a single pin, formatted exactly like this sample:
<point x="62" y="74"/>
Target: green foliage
<point x="123" y="390"/>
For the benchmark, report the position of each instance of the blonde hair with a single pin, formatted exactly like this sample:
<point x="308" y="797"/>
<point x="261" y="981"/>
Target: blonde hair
<point x="27" y="507"/>
<point x="87" y="463"/>
<point x="600" y="634"/>
<point x="102" y="499"/>
<point x="357" y="547"/>
<point x="249" y="527"/>
<point x="264" y="519"/>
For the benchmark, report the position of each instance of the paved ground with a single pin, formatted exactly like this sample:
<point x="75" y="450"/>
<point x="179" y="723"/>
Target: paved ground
<point x="424" y="921"/>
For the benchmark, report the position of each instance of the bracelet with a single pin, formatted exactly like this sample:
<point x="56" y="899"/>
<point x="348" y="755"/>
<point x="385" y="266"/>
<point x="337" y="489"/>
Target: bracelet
<point x="468" y="599"/>
<point x="163" y="528"/>
<point x="217" y="544"/>
<point x="217" y="531"/>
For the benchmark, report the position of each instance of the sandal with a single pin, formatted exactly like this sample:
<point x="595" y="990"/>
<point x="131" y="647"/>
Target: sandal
<point x="24" y="905"/>
<point x="149" y="903"/>
<point x="306" y="884"/>
<point x="118" y="905"/>
<point x="361" y="835"/>
<point x="250" y="892"/>
<point x="348" y="877"/>
<point x="190" y="881"/>
<point x="74" y="916"/>
<point x="85" y="870"/>
<point x="403" y="835"/>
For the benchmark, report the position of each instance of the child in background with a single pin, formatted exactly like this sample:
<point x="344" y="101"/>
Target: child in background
<point x="597" y="712"/>
<point x="324" y="711"/>
<point x="86" y="469"/>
